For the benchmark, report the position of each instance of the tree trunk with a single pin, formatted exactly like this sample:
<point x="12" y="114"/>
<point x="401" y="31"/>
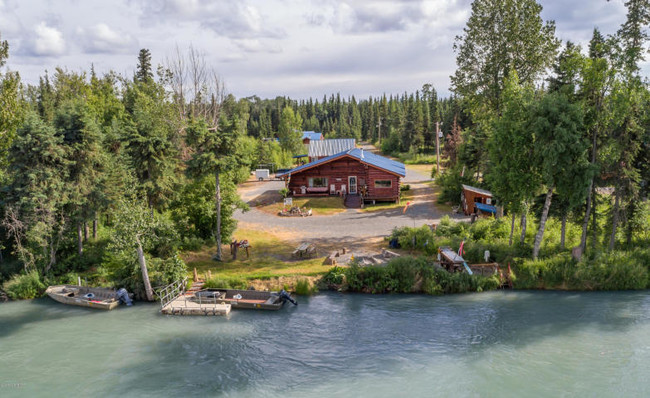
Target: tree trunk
<point x="95" y="227"/>
<point x="86" y="232"/>
<point x="585" y="221"/>
<point x="630" y="213"/>
<point x="52" y="256"/>
<point x="590" y="194"/>
<point x="217" y="198"/>
<point x="594" y="224"/>
<point x="143" y="267"/>
<point x="615" y="211"/>
<point x="512" y="229"/>
<point x="522" y="239"/>
<point x="542" y="223"/>
<point x="80" y="243"/>
<point x="563" y="233"/>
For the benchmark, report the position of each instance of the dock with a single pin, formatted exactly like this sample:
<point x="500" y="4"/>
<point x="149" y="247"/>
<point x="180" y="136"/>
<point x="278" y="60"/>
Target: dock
<point x="182" y="305"/>
<point x="174" y="300"/>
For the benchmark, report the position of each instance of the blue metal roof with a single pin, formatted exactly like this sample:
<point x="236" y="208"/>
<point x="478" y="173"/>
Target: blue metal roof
<point x="312" y="135"/>
<point x="369" y="158"/>
<point x="486" y="208"/>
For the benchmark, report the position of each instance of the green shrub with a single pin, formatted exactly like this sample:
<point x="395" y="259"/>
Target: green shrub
<point x="405" y="187"/>
<point x="284" y="192"/>
<point x="614" y="271"/>
<point x="403" y="273"/>
<point x="191" y="243"/>
<point x="226" y="283"/>
<point x="303" y="288"/>
<point x="24" y="286"/>
<point x="451" y="185"/>
<point x="409" y="274"/>
<point x="335" y="276"/>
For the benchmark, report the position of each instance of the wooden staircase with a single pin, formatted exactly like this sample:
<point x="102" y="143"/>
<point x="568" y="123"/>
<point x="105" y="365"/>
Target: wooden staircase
<point x="353" y="201"/>
<point x="196" y="286"/>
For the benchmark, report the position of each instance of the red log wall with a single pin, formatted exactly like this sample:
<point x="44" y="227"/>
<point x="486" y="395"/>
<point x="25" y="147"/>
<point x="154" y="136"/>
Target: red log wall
<point x="337" y="173"/>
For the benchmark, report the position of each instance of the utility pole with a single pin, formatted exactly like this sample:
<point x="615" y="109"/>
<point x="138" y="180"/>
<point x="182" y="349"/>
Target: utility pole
<point x="437" y="148"/>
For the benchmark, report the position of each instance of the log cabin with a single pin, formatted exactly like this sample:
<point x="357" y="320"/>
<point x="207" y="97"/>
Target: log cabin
<point x="352" y="172"/>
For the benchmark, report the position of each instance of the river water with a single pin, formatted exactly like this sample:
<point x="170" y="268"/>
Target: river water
<point x="506" y="344"/>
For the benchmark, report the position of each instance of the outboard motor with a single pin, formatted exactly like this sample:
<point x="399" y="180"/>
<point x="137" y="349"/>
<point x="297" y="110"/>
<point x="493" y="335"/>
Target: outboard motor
<point x="124" y="298"/>
<point x="284" y="296"/>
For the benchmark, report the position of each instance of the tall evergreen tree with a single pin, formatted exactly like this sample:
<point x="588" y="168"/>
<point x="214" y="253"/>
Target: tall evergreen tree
<point x="144" y="72"/>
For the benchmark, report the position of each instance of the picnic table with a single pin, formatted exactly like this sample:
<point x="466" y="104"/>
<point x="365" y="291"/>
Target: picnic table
<point x="305" y="249"/>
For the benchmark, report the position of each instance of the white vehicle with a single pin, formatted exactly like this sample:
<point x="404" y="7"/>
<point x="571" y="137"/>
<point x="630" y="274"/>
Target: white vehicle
<point x="262" y="174"/>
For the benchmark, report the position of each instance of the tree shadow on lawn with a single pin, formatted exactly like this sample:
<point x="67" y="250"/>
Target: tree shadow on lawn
<point x="265" y="198"/>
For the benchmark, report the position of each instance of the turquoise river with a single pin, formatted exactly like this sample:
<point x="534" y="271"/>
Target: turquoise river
<point x="497" y="344"/>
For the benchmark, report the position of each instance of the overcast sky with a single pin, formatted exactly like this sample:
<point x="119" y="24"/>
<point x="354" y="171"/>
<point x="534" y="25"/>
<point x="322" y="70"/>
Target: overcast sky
<point x="270" y="47"/>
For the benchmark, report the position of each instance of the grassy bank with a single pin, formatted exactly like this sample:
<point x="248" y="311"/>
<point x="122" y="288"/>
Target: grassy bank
<point x="270" y="260"/>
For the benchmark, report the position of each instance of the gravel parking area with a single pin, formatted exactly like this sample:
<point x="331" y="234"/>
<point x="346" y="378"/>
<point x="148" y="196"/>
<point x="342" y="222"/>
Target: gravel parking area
<point x="351" y="227"/>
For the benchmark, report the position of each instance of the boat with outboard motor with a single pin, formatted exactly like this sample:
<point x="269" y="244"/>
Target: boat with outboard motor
<point x="93" y="297"/>
<point x="248" y="299"/>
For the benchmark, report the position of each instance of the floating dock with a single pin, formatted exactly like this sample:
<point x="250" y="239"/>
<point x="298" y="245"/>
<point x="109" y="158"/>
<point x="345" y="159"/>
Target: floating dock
<point x="174" y="300"/>
<point x="182" y="305"/>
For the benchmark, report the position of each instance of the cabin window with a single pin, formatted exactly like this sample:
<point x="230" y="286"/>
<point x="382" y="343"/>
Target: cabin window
<point x="317" y="182"/>
<point x="383" y="183"/>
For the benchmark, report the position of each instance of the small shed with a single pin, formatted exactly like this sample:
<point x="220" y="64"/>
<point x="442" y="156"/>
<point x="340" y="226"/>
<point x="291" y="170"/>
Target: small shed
<point x="308" y="136"/>
<point x="476" y="200"/>
<point x="324" y="148"/>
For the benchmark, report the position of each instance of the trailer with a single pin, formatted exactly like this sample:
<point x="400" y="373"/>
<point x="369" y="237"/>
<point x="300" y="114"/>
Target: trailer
<point x="262" y="174"/>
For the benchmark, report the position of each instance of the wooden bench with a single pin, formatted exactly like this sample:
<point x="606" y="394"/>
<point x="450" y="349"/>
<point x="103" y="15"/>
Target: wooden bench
<point x="317" y="190"/>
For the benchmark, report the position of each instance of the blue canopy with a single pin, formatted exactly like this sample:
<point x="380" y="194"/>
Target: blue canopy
<point x="486" y="208"/>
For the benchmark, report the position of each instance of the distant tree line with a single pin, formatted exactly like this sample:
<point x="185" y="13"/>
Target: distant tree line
<point x="406" y="121"/>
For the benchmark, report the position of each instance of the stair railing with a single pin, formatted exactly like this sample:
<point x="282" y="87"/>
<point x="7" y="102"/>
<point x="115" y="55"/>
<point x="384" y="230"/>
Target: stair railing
<point x="170" y="292"/>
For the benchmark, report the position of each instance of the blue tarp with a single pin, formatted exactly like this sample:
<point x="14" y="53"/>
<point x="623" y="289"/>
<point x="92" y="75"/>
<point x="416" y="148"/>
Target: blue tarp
<point x="486" y="208"/>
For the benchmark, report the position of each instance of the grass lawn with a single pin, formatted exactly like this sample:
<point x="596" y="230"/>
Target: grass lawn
<point x="406" y="196"/>
<point x="270" y="257"/>
<point x="436" y="192"/>
<point x="422" y="168"/>
<point x="321" y="206"/>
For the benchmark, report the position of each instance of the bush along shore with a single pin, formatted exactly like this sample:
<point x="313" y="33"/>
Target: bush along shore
<point x="416" y="272"/>
<point x="556" y="269"/>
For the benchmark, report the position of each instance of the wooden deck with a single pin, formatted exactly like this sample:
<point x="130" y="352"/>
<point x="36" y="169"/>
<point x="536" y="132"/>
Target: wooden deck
<point x="182" y="305"/>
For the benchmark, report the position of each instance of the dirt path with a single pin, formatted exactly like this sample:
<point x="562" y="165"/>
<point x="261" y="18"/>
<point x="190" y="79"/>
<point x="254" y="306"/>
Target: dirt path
<point x="352" y="228"/>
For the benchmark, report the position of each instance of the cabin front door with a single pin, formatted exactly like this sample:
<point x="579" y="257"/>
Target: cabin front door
<point x="352" y="183"/>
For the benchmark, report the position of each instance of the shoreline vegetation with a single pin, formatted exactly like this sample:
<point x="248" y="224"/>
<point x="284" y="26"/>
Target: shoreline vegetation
<point x="414" y="272"/>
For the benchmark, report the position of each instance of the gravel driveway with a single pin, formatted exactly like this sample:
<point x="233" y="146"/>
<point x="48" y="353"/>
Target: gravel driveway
<point x="350" y="226"/>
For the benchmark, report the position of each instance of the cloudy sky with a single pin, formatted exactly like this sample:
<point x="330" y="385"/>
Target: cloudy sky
<point x="299" y="48"/>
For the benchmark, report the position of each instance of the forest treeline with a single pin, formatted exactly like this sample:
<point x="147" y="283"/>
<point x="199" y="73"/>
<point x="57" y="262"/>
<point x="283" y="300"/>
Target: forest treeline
<point x="112" y="176"/>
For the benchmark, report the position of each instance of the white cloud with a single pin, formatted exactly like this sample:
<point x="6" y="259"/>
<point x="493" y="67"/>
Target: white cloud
<point x="234" y="20"/>
<point x="47" y="41"/>
<point x="256" y="46"/>
<point x="102" y="39"/>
